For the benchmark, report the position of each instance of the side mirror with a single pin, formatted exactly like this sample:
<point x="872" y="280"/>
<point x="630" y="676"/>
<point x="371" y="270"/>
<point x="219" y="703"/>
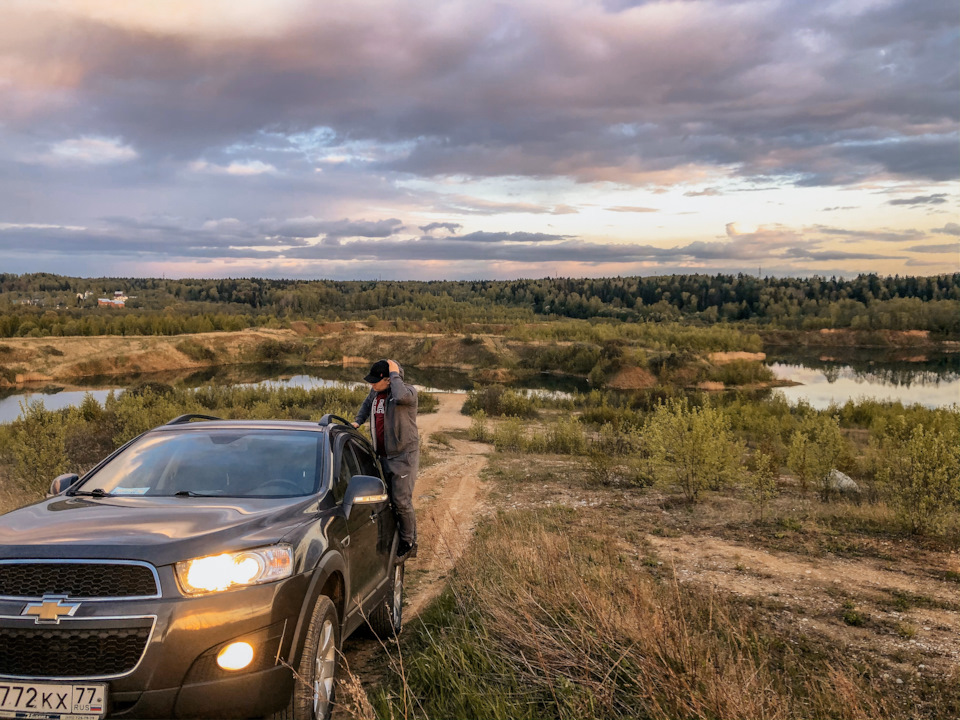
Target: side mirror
<point x="363" y="490"/>
<point x="61" y="483"/>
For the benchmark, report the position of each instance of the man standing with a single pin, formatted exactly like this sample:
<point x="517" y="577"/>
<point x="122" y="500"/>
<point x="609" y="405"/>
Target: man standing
<point x="392" y="409"/>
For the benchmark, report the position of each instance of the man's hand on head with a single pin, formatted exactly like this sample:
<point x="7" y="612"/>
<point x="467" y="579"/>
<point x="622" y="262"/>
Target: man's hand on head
<point x="392" y="366"/>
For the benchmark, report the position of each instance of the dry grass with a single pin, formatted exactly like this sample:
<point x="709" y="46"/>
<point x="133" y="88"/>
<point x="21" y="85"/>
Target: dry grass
<point x="567" y="605"/>
<point x="548" y="617"/>
<point x="352" y="700"/>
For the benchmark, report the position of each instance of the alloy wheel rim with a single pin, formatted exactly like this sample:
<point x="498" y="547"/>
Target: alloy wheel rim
<point x="397" y="595"/>
<point x="323" y="674"/>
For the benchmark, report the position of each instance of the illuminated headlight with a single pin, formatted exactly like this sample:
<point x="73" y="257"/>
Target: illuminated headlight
<point x="235" y="656"/>
<point x="222" y="572"/>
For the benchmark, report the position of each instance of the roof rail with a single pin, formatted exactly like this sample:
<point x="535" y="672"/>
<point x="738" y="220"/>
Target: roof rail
<point x="329" y="418"/>
<point x="191" y="416"/>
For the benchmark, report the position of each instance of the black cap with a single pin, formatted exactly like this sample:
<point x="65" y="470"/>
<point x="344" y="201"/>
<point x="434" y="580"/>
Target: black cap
<point x="379" y="371"/>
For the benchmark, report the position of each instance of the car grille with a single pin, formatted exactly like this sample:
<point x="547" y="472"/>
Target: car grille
<point x="71" y="653"/>
<point x="77" y="580"/>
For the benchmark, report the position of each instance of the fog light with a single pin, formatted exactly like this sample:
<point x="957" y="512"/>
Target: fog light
<point x="235" y="656"/>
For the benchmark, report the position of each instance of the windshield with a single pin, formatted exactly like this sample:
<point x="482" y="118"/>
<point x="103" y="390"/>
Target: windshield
<point x="221" y="463"/>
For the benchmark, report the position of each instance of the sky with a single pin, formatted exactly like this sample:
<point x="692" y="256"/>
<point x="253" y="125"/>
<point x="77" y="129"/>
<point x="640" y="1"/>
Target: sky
<point x="466" y="139"/>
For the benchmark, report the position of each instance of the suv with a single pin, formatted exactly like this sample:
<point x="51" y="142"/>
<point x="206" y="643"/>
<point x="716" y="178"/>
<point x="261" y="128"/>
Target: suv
<point x="204" y="569"/>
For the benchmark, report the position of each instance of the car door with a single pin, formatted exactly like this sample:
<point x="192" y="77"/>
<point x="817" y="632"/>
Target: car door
<point x="386" y="520"/>
<point x="362" y="524"/>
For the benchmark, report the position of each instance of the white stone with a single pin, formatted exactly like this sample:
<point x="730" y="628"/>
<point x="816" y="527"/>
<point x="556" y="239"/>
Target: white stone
<point x="841" y="482"/>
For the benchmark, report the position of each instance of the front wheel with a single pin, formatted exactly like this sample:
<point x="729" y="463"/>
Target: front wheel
<point x="314" y="688"/>
<point x="387" y="619"/>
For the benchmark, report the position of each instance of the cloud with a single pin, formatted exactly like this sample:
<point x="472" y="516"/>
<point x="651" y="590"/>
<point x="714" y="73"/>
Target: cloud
<point x="950" y="228"/>
<point x="892" y="236"/>
<point x="90" y="151"/>
<point x="935" y="199"/>
<point x="240" y="168"/>
<point x="267" y="126"/>
<point x="508" y="237"/>
<point x="309" y="227"/>
<point x="834" y="255"/>
<point x="368" y="241"/>
<point x="531" y="89"/>
<point x="466" y="205"/>
<point x="945" y="248"/>
<point x="450" y="227"/>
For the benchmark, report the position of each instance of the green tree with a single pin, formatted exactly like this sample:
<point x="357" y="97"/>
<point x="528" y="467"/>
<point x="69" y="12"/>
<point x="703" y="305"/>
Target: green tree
<point x="39" y="446"/>
<point x="763" y="480"/>
<point x="814" y="450"/>
<point x="693" y="447"/>
<point x="921" y="470"/>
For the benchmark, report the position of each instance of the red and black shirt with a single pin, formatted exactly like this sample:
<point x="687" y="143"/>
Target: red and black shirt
<point x="379" y="420"/>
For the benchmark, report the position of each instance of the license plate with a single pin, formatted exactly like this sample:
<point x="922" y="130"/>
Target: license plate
<point x="52" y="701"/>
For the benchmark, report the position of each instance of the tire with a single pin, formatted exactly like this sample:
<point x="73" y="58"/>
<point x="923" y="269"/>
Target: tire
<point x="313" y="692"/>
<point x="387" y="619"/>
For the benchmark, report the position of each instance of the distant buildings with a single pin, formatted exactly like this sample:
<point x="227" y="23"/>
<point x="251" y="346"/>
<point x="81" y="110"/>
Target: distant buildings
<point x="118" y="300"/>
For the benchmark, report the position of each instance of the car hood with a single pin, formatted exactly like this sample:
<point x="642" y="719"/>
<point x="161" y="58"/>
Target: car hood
<point x="158" y="530"/>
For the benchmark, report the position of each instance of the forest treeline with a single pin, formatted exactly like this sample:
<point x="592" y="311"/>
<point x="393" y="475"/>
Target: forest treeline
<point x="42" y="304"/>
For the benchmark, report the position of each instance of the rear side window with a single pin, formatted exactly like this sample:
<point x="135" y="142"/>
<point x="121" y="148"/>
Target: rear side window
<point x="348" y="468"/>
<point x="368" y="466"/>
<point x="227" y="463"/>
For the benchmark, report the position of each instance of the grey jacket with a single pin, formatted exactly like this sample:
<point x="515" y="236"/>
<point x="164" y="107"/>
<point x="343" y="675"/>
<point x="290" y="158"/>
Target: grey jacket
<point x="400" y="422"/>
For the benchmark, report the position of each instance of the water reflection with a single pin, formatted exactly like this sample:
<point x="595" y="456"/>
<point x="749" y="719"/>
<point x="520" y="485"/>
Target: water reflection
<point x="903" y="367"/>
<point x="928" y="381"/>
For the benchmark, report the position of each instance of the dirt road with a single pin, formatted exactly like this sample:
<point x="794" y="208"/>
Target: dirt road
<point x="447" y="498"/>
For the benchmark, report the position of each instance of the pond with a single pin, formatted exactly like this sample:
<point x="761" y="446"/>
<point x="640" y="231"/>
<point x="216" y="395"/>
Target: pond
<point x="56" y="397"/>
<point x="930" y="381"/>
<point x="896" y="376"/>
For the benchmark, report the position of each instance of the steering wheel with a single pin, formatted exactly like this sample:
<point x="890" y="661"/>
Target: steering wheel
<point x="284" y="486"/>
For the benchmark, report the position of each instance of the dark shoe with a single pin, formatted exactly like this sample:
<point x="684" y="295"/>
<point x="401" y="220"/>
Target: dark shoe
<point x="405" y="551"/>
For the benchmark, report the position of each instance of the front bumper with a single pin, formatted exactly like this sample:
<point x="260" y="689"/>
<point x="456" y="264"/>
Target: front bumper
<point x="176" y="675"/>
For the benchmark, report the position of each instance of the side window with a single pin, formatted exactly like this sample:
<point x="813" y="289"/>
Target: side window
<point x="348" y="468"/>
<point x="368" y="466"/>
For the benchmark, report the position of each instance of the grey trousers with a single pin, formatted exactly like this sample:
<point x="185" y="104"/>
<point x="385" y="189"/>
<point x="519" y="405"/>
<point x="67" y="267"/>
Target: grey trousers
<point x="401" y="474"/>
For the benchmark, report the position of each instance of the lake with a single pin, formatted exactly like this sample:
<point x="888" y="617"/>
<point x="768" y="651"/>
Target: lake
<point x="932" y="381"/>
<point x="896" y="376"/>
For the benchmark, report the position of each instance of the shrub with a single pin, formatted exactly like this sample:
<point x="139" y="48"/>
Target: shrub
<point x="195" y="351"/>
<point x="694" y="447"/>
<point x="763" y="480"/>
<point x="441" y="438"/>
<point x="427" y="403"/>
<point x="599" y="467"/>
<point x="275" y="350"/>
<point x="814" y="451"/>
<point x="920" y="469"/>
<point x="741" y="372"/>
<point x="39" y="446"/>
<point x="498" y="400"/>
<point x="509" y="436"/>
<point x="479" y="432"/>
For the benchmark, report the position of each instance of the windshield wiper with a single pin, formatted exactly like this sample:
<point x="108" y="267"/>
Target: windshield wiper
<point x="191" y="493"/>
<point x="96" y="492"/>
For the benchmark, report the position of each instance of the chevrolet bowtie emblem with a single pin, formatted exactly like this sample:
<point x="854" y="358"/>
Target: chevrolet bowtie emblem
<point x="50" y="609"/>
